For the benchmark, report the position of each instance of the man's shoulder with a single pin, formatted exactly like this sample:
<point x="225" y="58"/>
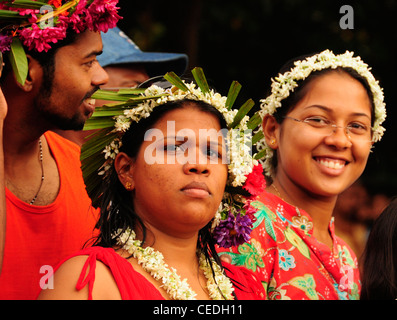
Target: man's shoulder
<point x="55" y="141"/>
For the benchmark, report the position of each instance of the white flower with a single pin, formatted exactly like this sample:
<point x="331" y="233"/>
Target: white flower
<point x="122" y="124"/>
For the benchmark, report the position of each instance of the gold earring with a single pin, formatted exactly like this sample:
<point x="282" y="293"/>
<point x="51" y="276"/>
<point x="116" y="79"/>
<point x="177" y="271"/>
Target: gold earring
<point x="128" y="185"/>
<point x="273" y="141"/>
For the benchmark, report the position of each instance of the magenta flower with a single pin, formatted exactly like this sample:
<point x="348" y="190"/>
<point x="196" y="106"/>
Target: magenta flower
<point x="100" y="15"/>
<point x="104" y="14"/>
<point x="77" y="21"/>
<point x="40" y="39"/>
<point x="250" y="210"/>
<point x="32" y="18"/>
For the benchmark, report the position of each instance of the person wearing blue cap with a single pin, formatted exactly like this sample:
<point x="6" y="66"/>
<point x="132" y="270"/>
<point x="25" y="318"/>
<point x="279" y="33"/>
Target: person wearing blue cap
<point x="129" y="66"/>
<point x="120" y="50"/>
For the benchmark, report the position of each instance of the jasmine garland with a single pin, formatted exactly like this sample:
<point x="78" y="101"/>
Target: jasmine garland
<point x="152" y="261"/>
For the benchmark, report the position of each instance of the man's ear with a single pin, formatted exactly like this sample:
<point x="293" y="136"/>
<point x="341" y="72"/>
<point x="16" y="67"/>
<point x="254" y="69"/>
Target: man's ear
<point x="123" y="165"/>
<point x="34" y="76"/>
<point x="270" y="130"/>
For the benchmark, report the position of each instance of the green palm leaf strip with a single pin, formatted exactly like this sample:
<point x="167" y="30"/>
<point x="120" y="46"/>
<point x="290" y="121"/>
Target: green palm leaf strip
<point x="260" y="154"/>
<point x="201" y="80"/>
<point x="176" y="81"/>
<point x="108" y="95"/>
<point x="4" y="14"/>
<point x="120" y="95"/>
<point x="258" y="136"/>
<point x="234" y="90"/>
<point x="89" y="156"/>
<point x="103" y="117"/>
<point x="98" y="123"/>
<point x="242" y="112"/>
<point x="254" y="121"/>
<point x="29" y="4"/>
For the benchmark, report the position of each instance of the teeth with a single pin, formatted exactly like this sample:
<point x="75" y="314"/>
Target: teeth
<point x="331" y="164"/>
<point x="91" y="101"/>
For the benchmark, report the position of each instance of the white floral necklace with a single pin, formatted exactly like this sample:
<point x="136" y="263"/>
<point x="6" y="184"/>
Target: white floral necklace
<point x="152" y="261"/>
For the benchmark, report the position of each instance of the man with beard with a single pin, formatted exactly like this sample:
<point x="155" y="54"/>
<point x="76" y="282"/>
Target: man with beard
<point x="127" y="67"/>
<point x="46" y="213"/>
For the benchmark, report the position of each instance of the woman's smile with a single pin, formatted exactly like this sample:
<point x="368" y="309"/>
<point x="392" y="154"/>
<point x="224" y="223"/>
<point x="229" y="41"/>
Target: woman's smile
<point x="331" y="166"/>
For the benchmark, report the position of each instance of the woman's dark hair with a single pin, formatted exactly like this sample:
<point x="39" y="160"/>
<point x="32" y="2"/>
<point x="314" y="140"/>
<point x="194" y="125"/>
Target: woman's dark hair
<point x="116" y="205"/>
<point x="300" y="91"/>
<point x="379" y="273"/>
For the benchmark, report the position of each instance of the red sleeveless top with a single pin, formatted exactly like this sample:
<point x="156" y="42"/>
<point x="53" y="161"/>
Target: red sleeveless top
<point x="39" y="237"/>
<point x="133" y="286"/>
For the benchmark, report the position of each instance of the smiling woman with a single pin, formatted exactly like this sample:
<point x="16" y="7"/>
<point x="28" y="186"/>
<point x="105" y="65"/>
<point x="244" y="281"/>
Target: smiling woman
<point x="156" y="238"/>
<point x="319" y="123"/>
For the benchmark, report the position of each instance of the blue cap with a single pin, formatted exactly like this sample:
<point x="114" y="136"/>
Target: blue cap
<point x="118" y="48"/>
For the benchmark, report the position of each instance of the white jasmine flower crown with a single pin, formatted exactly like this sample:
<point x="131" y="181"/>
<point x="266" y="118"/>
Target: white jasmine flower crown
<point x="284" y="84"/>
<point x="115" y="119"/>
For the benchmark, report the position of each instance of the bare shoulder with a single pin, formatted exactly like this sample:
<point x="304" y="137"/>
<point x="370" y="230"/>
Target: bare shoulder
<point x="67" y="276"/>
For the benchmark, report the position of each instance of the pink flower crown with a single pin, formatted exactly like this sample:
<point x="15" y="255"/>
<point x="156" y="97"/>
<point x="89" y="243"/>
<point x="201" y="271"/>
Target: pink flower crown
<point x="37" y="24"/>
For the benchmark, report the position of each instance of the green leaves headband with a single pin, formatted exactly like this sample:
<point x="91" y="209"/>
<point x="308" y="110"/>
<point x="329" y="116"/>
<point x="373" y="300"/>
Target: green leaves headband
<point x="114" y="119"/>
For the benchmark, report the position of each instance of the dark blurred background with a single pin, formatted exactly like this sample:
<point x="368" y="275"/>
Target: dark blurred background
<point x="249" y="40"/>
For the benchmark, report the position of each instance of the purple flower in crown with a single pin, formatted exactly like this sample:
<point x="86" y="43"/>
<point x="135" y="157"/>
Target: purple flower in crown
<point x="234" y="230"/>
<point x="5" y="43"/>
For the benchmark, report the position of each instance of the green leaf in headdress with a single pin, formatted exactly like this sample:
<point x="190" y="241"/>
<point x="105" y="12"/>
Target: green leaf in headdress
<point x="18" y="60"/>
<point x="254" y="121"/>
<point x="258" y="136"/>
<point x="260" y="154"/>
<point x="234" y="90"/>
<point x="176" y="81"/>
<point x="244" y="109"/>
<point x="4" y="14"/>
<point x="110" y="95"/>
<point x="92" y="159"/>
<point x="98" y="123"/>
<point x="97" y="142"/>
<point x="201" y="80"/>
<point x="29" y="4"/>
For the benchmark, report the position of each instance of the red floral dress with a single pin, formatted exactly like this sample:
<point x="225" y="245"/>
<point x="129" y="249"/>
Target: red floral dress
<point x="290" y="262"/>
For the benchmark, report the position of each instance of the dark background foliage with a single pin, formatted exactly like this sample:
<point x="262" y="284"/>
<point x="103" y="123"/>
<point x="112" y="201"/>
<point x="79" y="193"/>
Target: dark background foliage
<point x="250" y="40"/>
